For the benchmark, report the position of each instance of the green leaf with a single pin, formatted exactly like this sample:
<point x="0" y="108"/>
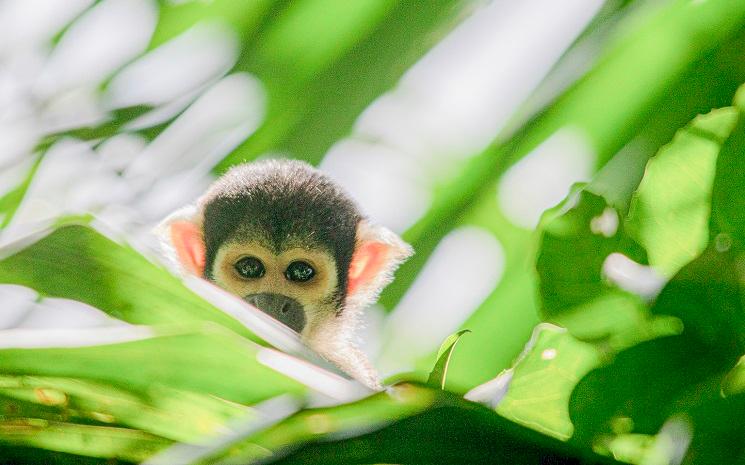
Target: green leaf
<point x="576" y="239"/>
<point x="718" y="429"/>
<point x="11" y="200"/>
<point x="629" y="448"/>
<point x="609" y="106"/>
<point x="670" y="211"/>
<point x="90" y="440"/>
<point x="76" y="262"/>
<point x="439" y="372"/>
<point x="160" y="410"/>
<point x="401" y="401"/>
<point x="543" y="379"/>
<point x="320" y="77"/>
<point x="728" y="203"/>
<point x="708" y="295"/>
<point x="407" y="424"/>
<point x="679" y="372"/>
<point x="175" y="18"/>
<point x="212" y="361"/>
<point x="18" y="455"/>
<point x="734" y="382"/>
<point x="573" y="248"/>
<point x="644" y="386"/>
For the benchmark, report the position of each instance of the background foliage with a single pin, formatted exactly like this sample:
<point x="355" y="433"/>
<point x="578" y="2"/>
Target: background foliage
<point x="637" y="275"/>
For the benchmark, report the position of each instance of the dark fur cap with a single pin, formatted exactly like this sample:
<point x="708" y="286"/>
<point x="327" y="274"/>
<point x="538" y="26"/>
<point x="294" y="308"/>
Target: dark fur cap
<point x="283" y="203"/>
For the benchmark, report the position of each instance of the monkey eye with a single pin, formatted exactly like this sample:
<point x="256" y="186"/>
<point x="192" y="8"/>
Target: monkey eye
<point x="250" y="267"/>
<point x="299" y="272"/>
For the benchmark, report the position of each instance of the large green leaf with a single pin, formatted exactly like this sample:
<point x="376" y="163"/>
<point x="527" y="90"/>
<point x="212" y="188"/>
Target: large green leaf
<point x="76" y="262"/>
<point x="679" y="372"/>
<point x="408" y="424"/>
<point x="211" y="361"/>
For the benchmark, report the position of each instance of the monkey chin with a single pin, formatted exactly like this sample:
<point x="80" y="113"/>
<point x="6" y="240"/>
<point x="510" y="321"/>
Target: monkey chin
<point x="333" y="336"/>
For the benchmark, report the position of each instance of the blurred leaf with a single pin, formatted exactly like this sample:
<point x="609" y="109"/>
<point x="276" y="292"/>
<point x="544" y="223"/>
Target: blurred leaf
<point x="609" y="106"/>
<point x="18" y="455"/>
<point x="728" y="203"/>
<point x="504" y="318"/>
<point x="383" y="428"/>
<point x="11" y="199"/>
<point x="439" y="372"/>
<point x="367" y="414"/>
<point x="177" y="17"/>
<point x="644" y="386"/>
<point x="576" y="239"/>
<point x="678" y="372"/>
<point x="212" y="361"/>
<point x="112" y="126"/>
<point x="90" y="440"/>
<point x="76" y="262"/>
<point x="323" y="79"/>
<point x="174" y="19"/>
<point x="573" y="247"/>
<point x="708" y="297"/>
<point x="170" y="413"/>
<point x="543" y="379"/>
<point x="718" y="432"/>
<point x="472" y="191"/>
<point x="734" y="382"/>
<point x="629" y="448"/>
<point x="670" y="210"/>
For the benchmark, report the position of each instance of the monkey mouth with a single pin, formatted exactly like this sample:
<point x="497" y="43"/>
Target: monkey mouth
<point x="286" y="310"/>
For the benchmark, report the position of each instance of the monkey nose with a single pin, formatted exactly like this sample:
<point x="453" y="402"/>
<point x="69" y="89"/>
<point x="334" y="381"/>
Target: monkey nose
<point x="282" y="308"/>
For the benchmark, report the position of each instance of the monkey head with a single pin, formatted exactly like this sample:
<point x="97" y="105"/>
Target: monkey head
<point x="287" y="239"/>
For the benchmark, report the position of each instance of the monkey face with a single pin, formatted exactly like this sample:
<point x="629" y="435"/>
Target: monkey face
<point x="285" y="238"/>
<point x="296" y="285"/>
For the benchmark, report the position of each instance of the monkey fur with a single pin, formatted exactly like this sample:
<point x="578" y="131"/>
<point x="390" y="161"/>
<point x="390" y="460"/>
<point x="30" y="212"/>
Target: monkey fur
<point x="286" y="238"/>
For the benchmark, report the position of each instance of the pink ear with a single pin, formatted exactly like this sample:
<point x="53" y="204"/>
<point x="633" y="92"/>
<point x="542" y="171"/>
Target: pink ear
<point x="377" y="254"/>
<point x="367" y="263"/>
<point x="187" y="240"/>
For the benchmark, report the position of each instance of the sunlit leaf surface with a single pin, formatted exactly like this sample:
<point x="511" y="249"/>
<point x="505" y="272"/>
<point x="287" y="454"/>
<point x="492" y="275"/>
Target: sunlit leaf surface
<point x="77" y="262"/>
<point x="670" y="210"/>
<point x="195" y="361"/>
<point x="543" y="379"/>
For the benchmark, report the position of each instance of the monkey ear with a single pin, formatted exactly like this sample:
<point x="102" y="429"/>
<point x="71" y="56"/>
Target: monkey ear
<point x="182" y="240"/>
<point x="377" y="253"/>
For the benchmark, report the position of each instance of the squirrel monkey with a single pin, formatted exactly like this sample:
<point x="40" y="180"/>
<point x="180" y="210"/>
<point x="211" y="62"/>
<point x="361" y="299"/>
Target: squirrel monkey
<point x="287" y="239"/>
